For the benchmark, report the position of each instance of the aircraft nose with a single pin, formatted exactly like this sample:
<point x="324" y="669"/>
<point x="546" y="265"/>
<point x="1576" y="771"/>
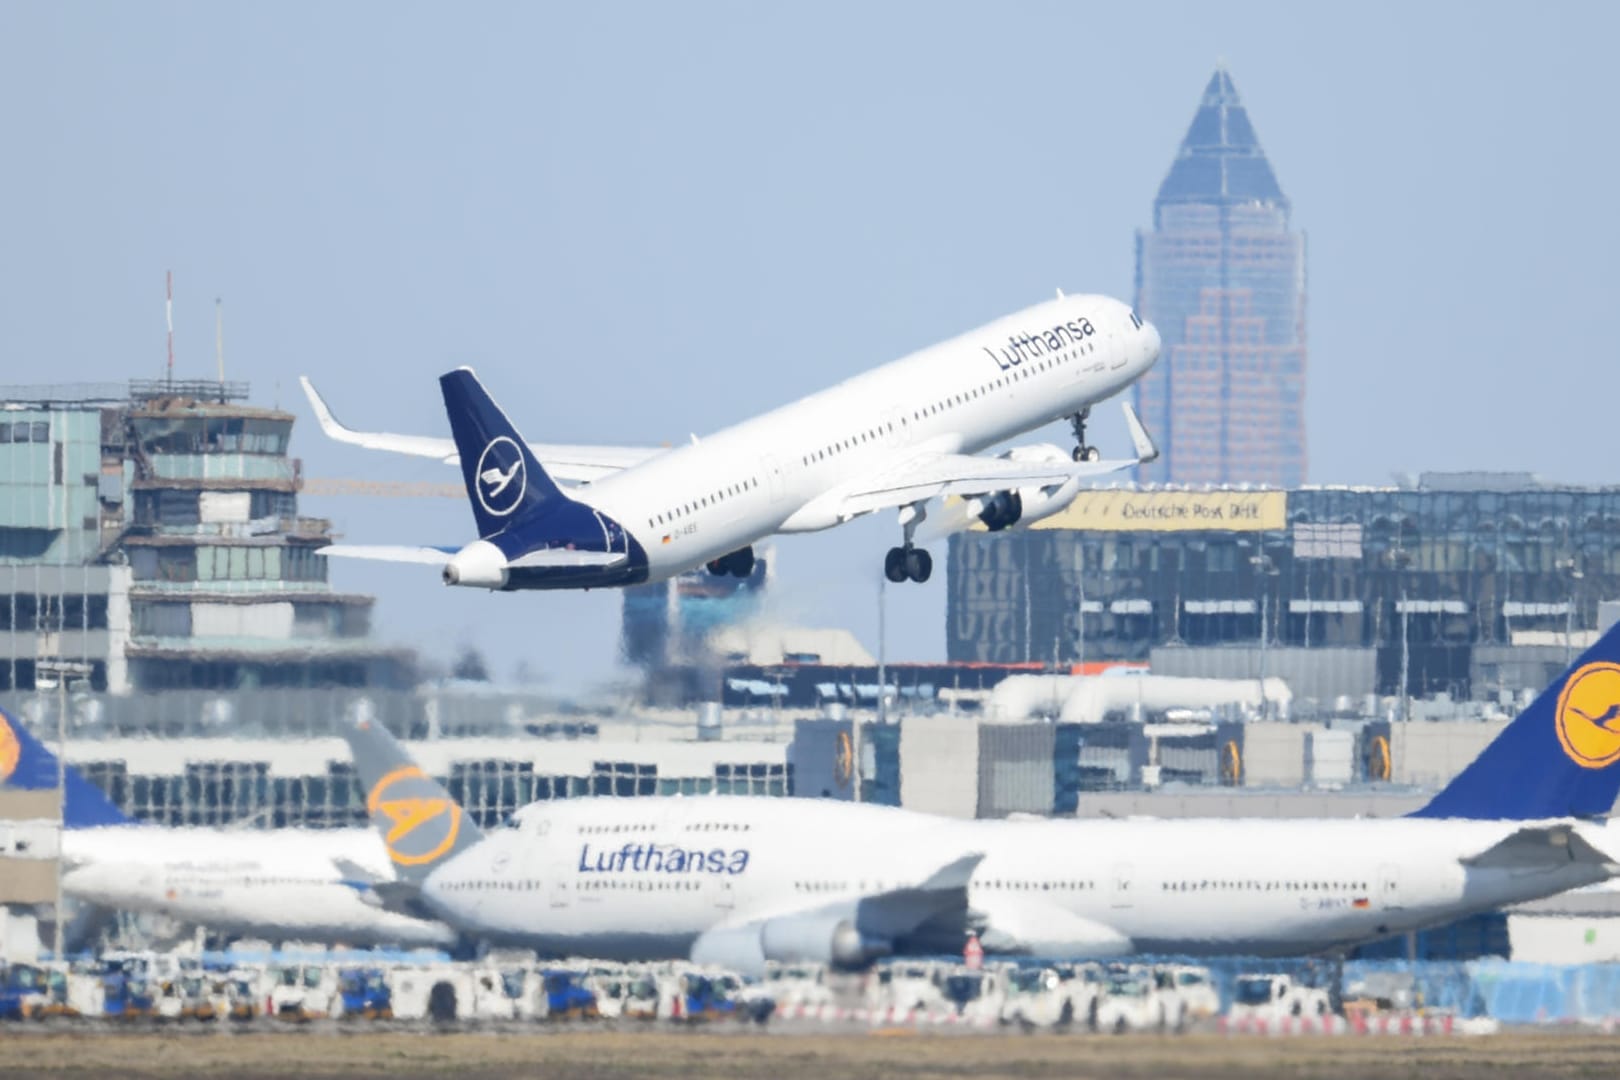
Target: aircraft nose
<point x="1150" y="345"/>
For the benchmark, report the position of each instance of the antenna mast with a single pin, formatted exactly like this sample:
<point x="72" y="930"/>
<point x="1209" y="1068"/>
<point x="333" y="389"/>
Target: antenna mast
<point x="168" y="318"/>
<point x="219" y="342"/>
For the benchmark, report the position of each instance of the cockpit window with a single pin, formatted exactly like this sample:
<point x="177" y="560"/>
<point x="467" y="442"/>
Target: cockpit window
<point x="1136" y="320"/>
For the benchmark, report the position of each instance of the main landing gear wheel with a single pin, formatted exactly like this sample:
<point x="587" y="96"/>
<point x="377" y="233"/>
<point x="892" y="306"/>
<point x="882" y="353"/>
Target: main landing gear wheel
<point x="908" y="564"/>
<point x="1082" y="452"/>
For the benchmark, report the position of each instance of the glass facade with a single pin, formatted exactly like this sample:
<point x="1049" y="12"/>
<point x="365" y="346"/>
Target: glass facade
<point x="1422" y="575"/>
<point x="1223" y="279"/>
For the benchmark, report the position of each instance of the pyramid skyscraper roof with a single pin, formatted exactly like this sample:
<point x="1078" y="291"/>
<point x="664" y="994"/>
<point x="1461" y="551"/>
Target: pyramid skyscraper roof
<point x="1220" y="160"/>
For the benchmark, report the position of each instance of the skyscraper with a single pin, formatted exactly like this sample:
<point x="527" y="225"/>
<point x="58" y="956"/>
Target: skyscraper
<point x="1223" y="278"/>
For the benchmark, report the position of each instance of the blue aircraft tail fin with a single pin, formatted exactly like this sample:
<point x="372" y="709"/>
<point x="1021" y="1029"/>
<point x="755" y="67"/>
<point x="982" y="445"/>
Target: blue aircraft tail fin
<point x="505" y="482"/>
<point x="27" y="765"/>
<point x="1558" y="758"/>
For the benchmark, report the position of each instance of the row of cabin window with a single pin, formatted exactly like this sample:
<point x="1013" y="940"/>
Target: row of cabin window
<point x="692" y="826"/>
<point x="848" y="444"/>
<point x="707" y="500"/>
<point x="1265" y="886"/>
<point x="938" y="407"/>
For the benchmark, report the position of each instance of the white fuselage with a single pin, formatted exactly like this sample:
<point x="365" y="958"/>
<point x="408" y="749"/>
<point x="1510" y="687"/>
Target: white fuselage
<point x="283" y="884"/>
<point x="639" y="879"/>
<point x="788" y="470"/>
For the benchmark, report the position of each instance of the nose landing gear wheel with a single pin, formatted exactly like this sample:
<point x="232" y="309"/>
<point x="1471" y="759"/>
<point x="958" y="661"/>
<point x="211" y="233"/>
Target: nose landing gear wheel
<point x="894" y="565"/>
<point x="1082" y="452"/>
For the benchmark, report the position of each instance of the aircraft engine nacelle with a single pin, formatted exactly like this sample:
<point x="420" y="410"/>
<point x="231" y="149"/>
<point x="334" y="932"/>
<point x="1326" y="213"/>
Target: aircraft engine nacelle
<point x="1025" y="506"/>
<point x="820" y="939"/>
<point x="1001" y="510"/>
<point x="479" y="565"/>
<point x="812" y="937"/>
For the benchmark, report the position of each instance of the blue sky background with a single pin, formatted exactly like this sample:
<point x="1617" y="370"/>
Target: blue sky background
<point x="643" y="220"/>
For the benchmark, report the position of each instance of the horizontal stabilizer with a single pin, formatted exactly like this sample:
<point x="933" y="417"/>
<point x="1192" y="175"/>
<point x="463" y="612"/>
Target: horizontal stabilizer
<point x="548" y="558"/>
<point x="1541" y="848"/>
<point x="428" y="556"/>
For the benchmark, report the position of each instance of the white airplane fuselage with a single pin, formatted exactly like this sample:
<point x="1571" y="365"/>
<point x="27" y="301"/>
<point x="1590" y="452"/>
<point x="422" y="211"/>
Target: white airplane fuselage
<point x="791" y="469"/>
<point x="282" y="884"/>
<point x="643" y="878"/>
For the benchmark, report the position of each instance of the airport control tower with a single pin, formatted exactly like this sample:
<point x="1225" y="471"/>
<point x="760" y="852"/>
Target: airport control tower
<point x="1223" y="278"/>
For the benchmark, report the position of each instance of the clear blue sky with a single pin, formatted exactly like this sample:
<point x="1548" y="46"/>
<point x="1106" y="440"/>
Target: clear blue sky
<point x="643" y="220"/>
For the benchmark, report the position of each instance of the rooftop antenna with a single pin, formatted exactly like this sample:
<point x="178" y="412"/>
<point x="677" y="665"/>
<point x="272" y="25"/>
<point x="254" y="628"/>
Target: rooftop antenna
<point x="219" y="343"/>
<point x="168" y="318"/>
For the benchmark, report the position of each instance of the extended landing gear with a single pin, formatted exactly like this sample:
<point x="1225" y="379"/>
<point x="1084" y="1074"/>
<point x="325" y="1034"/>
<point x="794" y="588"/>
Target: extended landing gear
<point x="739" y="563"/>
<point x="1082" y="452"/>
<point x="908" y="564"/>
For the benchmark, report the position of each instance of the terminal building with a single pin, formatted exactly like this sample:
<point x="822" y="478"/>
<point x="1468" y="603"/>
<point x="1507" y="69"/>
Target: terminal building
<point x="1472" y="586"/>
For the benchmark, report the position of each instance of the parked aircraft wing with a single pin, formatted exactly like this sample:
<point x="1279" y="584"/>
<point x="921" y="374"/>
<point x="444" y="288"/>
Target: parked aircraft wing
<point x="1539" y="847"/>
<point x="846" y="933"/>
<point x="566" y="462"/>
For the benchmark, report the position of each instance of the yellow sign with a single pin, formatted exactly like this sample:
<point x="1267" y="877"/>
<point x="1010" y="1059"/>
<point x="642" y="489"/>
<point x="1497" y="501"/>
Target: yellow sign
<point x="1588" y="716"/>
<point x="845" y="758"/>
<point x="10" y="750"/>
<point x="411" y="814"/>
<point x="1173" y="511"/>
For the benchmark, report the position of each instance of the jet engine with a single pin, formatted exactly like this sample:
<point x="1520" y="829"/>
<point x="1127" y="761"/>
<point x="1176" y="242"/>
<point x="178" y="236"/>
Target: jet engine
<point x="1025" y="506"/>
<point x="830" y="938"/>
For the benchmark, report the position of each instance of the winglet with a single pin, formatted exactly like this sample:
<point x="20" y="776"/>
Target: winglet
<point x="323" y="415"/>
<point x="1146" y="449"/>
<point x="416" y="445"/>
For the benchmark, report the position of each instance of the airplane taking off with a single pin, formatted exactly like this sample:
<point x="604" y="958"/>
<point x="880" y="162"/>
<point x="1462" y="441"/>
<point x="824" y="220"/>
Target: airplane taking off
<point x="895" y="438"/>
<point x="739" y="880"/>
<point x="280" y="884"/>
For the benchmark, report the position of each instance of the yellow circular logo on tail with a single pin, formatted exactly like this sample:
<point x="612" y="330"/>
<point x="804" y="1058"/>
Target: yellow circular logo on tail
<point x="10" y="749"/>
<point x="422" y="823"/>
<point x="1588" y="716"/>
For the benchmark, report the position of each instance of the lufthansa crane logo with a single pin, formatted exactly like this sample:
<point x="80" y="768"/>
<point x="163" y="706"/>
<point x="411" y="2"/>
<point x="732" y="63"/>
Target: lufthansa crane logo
<point x="10" y="749"/>
<point x="422" y="823"/>
<point x="1588" y="716"/>
<point x="500" y="478"/>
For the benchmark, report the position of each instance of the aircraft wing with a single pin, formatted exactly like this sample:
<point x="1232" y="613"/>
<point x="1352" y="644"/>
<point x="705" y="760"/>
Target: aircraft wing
<point x="846" y="932"/>
<point x="935" y="475"/>
<point x="1542" y="847"/>
<point x="569" y="463"/>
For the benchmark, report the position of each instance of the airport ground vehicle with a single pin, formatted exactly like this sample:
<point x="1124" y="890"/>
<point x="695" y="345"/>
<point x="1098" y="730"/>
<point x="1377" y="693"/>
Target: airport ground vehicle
<point x="1272" y="997"/>
<point x="1196" y="989"/>
<point x="1051" y="996"/>
<point x="25" y="992"/>
<point x="303" y="992"/>
<point x="1130" y="1000"/>
<point x="566" y="996"/>
<point x="363" y="993"/>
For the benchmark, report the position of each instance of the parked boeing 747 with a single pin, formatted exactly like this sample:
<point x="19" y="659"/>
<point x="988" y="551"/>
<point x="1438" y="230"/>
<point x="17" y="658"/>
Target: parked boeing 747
<point x="742" y="880"/>
<point x="895" y="438"/>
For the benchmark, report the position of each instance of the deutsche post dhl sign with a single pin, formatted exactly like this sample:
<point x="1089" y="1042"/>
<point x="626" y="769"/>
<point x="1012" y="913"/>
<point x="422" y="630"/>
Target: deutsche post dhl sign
<point x="1170" y="511"/>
